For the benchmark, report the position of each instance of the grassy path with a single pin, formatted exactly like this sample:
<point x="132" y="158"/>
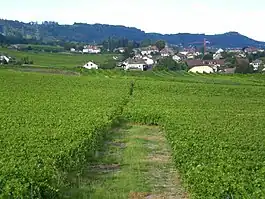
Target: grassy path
<point x="134" y="163"/>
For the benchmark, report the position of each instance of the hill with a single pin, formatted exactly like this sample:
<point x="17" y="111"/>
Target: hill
<point x="81" y="32"/>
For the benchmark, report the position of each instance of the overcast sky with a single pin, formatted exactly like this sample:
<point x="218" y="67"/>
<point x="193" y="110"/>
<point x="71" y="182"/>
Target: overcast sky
<point x="162" y="16"/>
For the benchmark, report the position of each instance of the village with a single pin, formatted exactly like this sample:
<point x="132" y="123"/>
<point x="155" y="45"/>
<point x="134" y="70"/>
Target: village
<point x="210" y="60"/>
<point x="202" y="59"/>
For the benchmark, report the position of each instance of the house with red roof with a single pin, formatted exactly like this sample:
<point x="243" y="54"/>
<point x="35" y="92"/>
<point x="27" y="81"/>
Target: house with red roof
<point x="91" y="49"/>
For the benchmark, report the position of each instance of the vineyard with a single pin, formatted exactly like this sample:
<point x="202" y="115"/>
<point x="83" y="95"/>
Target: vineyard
<point x="52" y="124"/>
<point x="216" y="133"/>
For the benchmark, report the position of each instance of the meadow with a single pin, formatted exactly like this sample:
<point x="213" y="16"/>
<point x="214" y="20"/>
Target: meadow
<point x="57" y="60"/>
<point x="53" y="124"/>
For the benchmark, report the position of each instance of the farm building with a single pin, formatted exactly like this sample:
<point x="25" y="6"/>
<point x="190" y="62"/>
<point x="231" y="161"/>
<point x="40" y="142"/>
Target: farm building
<point x="176" y="58"/>
<point x="220" y="50"/>
<point x="90" y="65"/>
<point x="201" y="69"/>
<point x="72" y="50"/>
<point x="149" y="50"/>
<point x="91" y="49"/>
<point x="213" y="64"/>
<point x="166" y="52"/>
<point x="4" y="59"/>
<point x="148" y="60"/>
<point x="135" y="64"/>
<point x="256" y="64"/>
<point x="199" y="62"/>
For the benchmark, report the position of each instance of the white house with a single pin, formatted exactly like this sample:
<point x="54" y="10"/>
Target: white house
<point x="149" y="56"/>
<point x="242" y="55"/>
<point x="135" y="64"/>
<point x="145" y="52"/>
<point x="251" y="50"/>
<point x="236" y="50"/>
<point x="256" y="64"/>
<point x="217" y="56"/>
<point x="149" y="50"/>
<point x="148" y="61"/>
<point x="190" y="56"/>
<point x="166" y="52"/>
<point x="197" y="53"/>
<point x="72" y="50"/>
<point x="90" y="65"/>
<point x="4" y="58"/>
<point x="201" y="69"/>
<point x="220" y="50"/>
<point x="120" y="50"/>
<point x="176" y="58"/>
<point x="137" y="56"/>
<point x="184" y="53"/>
<point x="91" y="49"/>
<point x="85" y="50"/>
<point x="95" y="51"/>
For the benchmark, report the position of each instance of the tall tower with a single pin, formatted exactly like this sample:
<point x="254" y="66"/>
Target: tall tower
<point x="204" y="46"/>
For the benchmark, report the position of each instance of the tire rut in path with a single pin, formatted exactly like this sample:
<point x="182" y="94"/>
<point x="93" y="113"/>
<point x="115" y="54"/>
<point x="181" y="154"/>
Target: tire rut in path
<point x="162" y="175"/>
<point x="134" y="163"/>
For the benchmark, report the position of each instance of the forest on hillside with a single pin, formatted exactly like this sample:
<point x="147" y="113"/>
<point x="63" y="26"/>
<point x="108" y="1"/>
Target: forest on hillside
<point x="81" y="32"/>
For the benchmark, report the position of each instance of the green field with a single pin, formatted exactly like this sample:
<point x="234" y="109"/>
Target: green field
<point x="43" y="59"/>
<point x="51" y="125"/>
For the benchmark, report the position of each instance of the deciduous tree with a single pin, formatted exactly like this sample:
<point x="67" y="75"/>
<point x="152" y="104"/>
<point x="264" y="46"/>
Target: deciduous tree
<point x="169" y="64"/>
<point x="160" y="44"/>
<point x="208" y="56"/>
<point x="242" y="66"/>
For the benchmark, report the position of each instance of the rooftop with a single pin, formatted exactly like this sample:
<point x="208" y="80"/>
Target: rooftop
<point x="199" y="62"/>
<point x="135" y="61"/>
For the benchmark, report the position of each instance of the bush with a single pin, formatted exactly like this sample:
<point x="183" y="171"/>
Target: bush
<point x="108" y="65"/>
<point x="242" y="66"/>
<point x="169" y="64"/>
<point x="26" y="60"/>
